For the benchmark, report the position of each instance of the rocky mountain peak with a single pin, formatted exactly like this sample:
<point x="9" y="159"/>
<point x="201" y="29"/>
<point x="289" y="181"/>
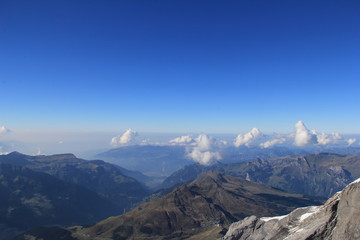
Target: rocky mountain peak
<point x="341" y="211"/>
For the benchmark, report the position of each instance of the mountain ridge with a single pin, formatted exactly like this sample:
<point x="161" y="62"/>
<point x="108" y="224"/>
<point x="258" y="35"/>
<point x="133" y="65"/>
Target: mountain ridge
<point x="313" y="174"/>
<point x="340" y="212"/>
<point x="30" y="198"/>
<point x="206" y="206"/>
<point x="105" y="179"/>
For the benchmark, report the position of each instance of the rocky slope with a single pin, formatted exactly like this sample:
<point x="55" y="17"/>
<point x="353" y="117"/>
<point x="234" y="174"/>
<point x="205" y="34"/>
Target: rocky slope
<point x="337" y="219"/>
<point x="314" y="174"/>
<point x="199" y="210"/>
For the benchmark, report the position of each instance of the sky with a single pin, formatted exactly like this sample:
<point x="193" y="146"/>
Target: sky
<point x="179" y="66"/>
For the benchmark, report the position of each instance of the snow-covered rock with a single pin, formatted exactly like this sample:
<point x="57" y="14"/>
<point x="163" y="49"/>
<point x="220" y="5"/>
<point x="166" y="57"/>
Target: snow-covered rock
<point x="338" y="218"/>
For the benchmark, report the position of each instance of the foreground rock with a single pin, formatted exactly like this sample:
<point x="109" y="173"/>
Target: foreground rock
<point x="337" y="219"/>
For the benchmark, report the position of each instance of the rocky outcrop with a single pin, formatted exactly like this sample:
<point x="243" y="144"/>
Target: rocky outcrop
<point x="337" y="219"/>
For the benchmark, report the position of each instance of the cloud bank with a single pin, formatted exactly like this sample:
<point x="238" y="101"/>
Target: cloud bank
<point x="301" y="137"/>
<point x="272" y="142"/>
<point x="205" y="150"/>
<point x="325" y="139"/>
<point x="248" y="138"/>
<point x="125" y="138"/>
<point x="183" y="140"/>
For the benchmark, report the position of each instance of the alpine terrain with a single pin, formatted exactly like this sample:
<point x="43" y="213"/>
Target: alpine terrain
<point x="337" y="219"/>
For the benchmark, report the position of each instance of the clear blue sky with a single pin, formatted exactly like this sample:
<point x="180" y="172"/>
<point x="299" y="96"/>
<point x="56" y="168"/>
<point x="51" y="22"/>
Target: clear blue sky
<point x="180" y="66"/>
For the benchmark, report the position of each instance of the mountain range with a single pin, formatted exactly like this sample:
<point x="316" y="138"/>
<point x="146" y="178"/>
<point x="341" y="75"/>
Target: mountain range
<point x="202" y="209"/>
<point x="312" y="174"/>
<point x="30" y="198"/>
<point x="162" y="160"/>
<point x="62" y="190"/>
<point x="158" y="161"/>
<point x="43" y="191"/>
<point x="103" y="178"/>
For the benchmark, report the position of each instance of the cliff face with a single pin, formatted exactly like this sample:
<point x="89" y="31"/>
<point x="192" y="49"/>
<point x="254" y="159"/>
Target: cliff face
<point x="338" y="218"/>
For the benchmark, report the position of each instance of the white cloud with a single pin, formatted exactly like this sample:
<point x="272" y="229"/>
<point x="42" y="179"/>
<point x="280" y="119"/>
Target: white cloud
<point x="204" y="157"/>
<point x="4" y="130"/>
<point x="205" y="151"/>
<point x="183" y="140"/>
<point x="337" y="137"/>
<point x="124" y="139"/>
<point x="246" y="139"/>
<point x="223" y="142"/>
<point x="272" y="142"/>
<point x="351" y="141"/>
<point x="303" y="136"/>
<point x="204" y="142"/>
<point x="322" y="138"/>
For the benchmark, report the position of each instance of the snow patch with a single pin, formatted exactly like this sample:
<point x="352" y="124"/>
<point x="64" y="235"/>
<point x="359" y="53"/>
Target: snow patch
<point x="312" y="211"/>
<point x="266" y="219"/>
<point x="356" y="181"/>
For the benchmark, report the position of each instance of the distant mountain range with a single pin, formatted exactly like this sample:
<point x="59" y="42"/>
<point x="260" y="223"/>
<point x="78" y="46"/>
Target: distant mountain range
<point x="199" y="210"/>
<point x="158" y="161"/>
<point x="162" y="161"/>
<point x="313" y="174"/>
<point x="338" y="218"/>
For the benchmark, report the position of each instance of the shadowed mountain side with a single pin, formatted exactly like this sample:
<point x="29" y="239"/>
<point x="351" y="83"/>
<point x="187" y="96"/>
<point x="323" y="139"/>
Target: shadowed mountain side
<point x="105" y="179"/>
<point x="314" y="174"/>
<point x="210" y="203"/>
<point x="30" y="199"/>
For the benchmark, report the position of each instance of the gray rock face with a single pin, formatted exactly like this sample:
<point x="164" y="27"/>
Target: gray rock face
<point x="338" y="218"/>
